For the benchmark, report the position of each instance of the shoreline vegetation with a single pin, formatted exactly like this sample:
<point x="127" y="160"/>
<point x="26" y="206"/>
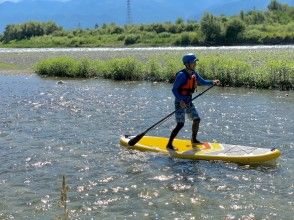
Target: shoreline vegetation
<point x="271" y="27"/>
<point x="235" y="69"/>
<point x="264" y="69"/>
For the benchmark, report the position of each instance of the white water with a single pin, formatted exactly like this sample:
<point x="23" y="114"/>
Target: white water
<point x="28" y="50"/>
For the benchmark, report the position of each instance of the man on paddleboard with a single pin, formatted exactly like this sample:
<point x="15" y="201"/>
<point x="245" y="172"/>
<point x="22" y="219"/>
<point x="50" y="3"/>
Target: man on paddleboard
<point x="184" y="86"/>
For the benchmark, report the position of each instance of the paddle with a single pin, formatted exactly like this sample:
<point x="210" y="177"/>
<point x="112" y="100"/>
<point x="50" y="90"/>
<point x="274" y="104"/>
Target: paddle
<point x="136" y="139"/>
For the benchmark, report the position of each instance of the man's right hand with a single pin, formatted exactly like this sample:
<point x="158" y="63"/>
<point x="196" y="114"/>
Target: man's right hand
<point x="183" y="104"/>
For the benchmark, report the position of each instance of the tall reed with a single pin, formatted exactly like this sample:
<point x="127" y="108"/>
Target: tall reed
<point x="248" y="71"/>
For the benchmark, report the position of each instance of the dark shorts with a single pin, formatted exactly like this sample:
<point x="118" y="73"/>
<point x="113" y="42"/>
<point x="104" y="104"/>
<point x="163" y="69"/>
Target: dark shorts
<point x="190" y="111"/>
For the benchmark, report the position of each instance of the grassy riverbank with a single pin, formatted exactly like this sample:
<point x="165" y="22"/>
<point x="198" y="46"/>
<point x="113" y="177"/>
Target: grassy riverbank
<point x="239" y="68"/>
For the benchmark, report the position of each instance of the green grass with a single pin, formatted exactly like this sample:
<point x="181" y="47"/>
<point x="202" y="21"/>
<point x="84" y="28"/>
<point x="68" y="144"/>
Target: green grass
<point x="8" y="66"/>
<point x="254" y="34"/>
<point x="259" y="69"/>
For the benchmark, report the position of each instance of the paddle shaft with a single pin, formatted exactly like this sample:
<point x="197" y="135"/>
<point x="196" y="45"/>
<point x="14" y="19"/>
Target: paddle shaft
<point x="136" y="139"/>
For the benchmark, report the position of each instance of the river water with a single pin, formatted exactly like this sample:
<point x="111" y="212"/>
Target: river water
<point x="48" y="130"/>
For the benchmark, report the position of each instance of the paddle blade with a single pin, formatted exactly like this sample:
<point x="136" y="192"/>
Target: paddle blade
<point x="136" y="139"/>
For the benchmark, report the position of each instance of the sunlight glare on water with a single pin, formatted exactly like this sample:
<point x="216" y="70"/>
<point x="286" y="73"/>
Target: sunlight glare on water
<point x="49" y="130"/>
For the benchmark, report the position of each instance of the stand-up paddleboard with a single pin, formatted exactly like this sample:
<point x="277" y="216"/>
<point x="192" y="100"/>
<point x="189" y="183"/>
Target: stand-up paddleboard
<point x="204" y="151"/>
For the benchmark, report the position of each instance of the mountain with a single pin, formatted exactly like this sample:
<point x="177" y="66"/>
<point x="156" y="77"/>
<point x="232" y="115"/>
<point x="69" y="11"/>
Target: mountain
<point x="87" y="13"/>
<point x="233" y="7"/>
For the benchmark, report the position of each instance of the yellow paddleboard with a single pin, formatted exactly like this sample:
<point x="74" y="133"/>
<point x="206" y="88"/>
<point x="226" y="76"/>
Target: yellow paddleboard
<point x="204" y="151"/>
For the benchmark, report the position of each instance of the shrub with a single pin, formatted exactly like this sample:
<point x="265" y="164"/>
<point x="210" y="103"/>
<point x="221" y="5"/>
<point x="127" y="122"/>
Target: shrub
<point x="210" y="28"/>
<point x="281" y="74"/>
<point x="59" y="66"/>
<point x="230" y="72"/>
<point x="153" y="70"/>
<point x="183" y="40"/>
<point x="131" y="39"/>
<point x="123" y="69"/>
<point x="234" y="28"/>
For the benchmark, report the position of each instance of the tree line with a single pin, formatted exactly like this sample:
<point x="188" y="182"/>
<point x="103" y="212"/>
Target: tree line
<point x="273" y="26"/>
<point x="28" y="30"/>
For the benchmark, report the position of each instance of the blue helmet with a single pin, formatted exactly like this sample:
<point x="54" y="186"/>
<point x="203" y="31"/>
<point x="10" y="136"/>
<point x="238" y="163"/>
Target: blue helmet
<point x="189" y="58"/>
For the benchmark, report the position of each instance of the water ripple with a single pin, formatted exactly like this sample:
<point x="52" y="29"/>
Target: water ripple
<point x="48" y="130"/>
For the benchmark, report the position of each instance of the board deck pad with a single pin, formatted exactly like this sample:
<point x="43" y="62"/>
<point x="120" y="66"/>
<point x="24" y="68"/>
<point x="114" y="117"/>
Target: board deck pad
<point x="204" y="151"/>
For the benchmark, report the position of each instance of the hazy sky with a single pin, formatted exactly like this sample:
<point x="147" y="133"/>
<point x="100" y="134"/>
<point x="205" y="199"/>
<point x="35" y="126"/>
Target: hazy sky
<point x="8" y="0"/>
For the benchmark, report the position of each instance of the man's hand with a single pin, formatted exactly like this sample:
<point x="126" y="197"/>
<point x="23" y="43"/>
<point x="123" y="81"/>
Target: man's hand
<point x="216" y="82"/>
<point x="183" y="104"/>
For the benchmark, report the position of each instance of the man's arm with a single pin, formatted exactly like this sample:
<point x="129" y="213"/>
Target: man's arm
<point x="203" y="82"/>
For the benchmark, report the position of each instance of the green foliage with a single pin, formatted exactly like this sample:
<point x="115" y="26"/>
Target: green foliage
<point x="256" y="69"/>
<point x="274" y="6"/>
<point x="184" y="39"/>
<point x="281" y="74"/>
<point x="110" y="29"/>
<point x="61" y="67"/>
<point x="180" y="21"/>
<point x="274" y="26"/>
<point x="123" y="69"/>
<point x="234" y="28"/>
<point x="28" y="30"/>
<point x="211" y="28"/>
<point x="7" y="66"/>
<point x="230" y="71"/>
<point x="131" y="39"/>
<point x="154" y="70"/>
<point x="255" y="18"/>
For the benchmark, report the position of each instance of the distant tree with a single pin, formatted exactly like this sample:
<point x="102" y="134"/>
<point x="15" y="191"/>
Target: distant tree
<point x="31" y="29"/>
<point x="275" y="6"/>
<point x="280" y="13"/>
<point x="242" y="15"/>
<point x="11" y="32"/>
<point x="131" y="39"/>
<point x="158" y="28"/>
<point x="210" y="28"/>
<point x="180" y="21"/>
<point x="172" y="28"/>
<point x="50" y="27"/>
<point x="191" y="26"/>
<point x="28" y="30"/>
<point x="255" y="17"/>
<point x="233" y="29"/>
<point x="183" y="40"/>
<point x="115" y="29"/>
